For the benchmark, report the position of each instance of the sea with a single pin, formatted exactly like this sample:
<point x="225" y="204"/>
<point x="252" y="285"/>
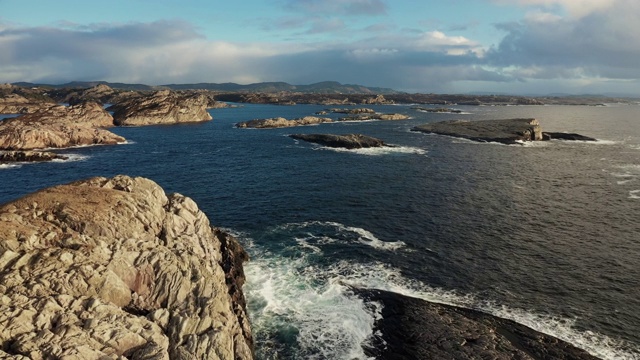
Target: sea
<point x="546" y="234"/>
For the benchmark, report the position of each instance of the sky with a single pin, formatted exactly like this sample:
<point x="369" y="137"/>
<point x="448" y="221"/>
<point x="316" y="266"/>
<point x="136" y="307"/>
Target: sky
<point x="454" y="46"/>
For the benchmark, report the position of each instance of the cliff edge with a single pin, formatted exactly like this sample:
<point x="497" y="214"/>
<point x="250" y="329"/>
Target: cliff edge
<point x="115" y="268"/>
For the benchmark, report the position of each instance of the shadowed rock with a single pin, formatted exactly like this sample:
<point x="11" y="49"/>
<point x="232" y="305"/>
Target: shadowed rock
<point x="414" y="329"/>
<point x="350" y="141"/>
<point x="115" y="268"/>
<point x="437" y="110"/>
<point x="161" y="107"/>
<point x="281" y="122"/>
<point x="58" y="127"/>
<point x="566" y="136"/>
<point x="509" y="131"/>
<point x="28" y="156"/>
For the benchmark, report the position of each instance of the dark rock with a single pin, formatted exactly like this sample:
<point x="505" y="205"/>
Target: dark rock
<point x="28" y="156"/>
<point x="566" y="136"/>
<point x="349" y="141"/>
<point x="367" y="117"/>
<point x="509" y="131"/>
<point x="414" y="329"/>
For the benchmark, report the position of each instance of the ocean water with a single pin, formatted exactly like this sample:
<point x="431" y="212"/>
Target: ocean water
<point x="546" y="234"/>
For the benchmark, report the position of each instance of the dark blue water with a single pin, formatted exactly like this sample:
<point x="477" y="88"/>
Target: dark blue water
<point x="545" y="234"/>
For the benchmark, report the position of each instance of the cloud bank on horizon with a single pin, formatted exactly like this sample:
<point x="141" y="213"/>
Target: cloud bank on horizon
<point x="536" y="46"/>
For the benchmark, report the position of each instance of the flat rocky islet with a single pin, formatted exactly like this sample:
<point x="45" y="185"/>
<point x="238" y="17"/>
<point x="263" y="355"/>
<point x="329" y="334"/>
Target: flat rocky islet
<point x="348" y="141"/>
<point x="505" y="131"/>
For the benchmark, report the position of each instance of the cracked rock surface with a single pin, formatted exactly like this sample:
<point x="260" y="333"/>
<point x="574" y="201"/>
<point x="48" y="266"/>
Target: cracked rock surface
<point x="115" y="268"/>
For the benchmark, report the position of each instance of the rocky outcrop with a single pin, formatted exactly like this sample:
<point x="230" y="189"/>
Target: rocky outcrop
<point x="349" y="141"/>
<point x="379" y="100"/>
<point x="352" y="111"/>
<point x="29" y="156"/>
<point x="410" y="328"/>
<point x="281" y="122"/>
<point x="161" y="107"/>
<point x="437" y="110"/>
<point x="58" y="127"/>
<point x="115" y="268"/>
<point x="509" y="131"/>
<point x="368" y="117"/>
<point x="16" y="104"/>
<point x="101" y="94"/>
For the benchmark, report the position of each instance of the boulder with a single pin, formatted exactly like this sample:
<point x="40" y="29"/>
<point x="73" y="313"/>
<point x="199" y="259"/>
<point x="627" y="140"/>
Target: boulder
<point x="28" y="156"/>
<point x="349" y="141"/>
<point x="281" y="122"/>
<point x="509" y="131"/>
<point x="161" y="107"/>
<point x="58" y="127"/>
<point x="410" y="328"/>
<point x="115" y="268"/>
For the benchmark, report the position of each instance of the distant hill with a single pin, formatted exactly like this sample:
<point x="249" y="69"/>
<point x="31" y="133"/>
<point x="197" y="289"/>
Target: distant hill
<point x="325" y="87"/>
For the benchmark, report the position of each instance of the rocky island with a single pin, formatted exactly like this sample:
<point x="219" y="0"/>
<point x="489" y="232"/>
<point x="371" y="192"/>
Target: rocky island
<point x="280" y="122"/>
<point x="58" y="127"/>
<point x="349" y="141"/>
<point x="375" y="116"/>
<point x="161" y="107"/>
<point x="115" y="268"/>
<point x="507" y="131"/>
<point x="437" y="110"/>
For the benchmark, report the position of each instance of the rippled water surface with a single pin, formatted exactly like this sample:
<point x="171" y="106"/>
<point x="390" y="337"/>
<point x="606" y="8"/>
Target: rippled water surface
<point x="547" y="234"/>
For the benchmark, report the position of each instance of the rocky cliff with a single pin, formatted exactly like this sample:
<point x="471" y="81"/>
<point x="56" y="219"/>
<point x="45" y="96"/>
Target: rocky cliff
<point x="161" y="107"/>
<point x="58" y="127"/>
<point x="114" y="269"/>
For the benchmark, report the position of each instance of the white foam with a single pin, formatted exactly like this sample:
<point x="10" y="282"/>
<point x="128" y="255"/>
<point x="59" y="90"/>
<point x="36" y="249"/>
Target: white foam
<point x="378" y="151"/>
<point x="285" y="297"/>
<point x="634" y="194"/>
<point x="9" y="166"/>
<point x="343" y="234"/>
<point x="72" y="158"/>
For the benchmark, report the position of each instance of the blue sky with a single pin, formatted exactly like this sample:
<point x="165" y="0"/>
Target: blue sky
<point x="456" y="46"/>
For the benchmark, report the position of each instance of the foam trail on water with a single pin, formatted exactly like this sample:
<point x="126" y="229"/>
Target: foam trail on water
<point x="9" y="166"/>
<point x="378" y="151"/>
<point x="634" y="194"/>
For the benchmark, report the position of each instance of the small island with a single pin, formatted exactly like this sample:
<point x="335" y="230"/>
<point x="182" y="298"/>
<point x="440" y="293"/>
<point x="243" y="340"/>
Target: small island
<point x="280" y="122"/>
<point x="349" y="141"/>
<point x="507" y="131"/>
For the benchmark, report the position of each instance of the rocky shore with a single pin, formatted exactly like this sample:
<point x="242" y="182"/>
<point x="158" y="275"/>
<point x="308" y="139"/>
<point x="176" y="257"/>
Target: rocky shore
<point x="115" y="268"/>
<point x="29" y="156"/>
<point x="375" y="116"/>
<point x="58" y="127"/>
<point x="349" y="141"/>
<point x="411" y="328"/>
